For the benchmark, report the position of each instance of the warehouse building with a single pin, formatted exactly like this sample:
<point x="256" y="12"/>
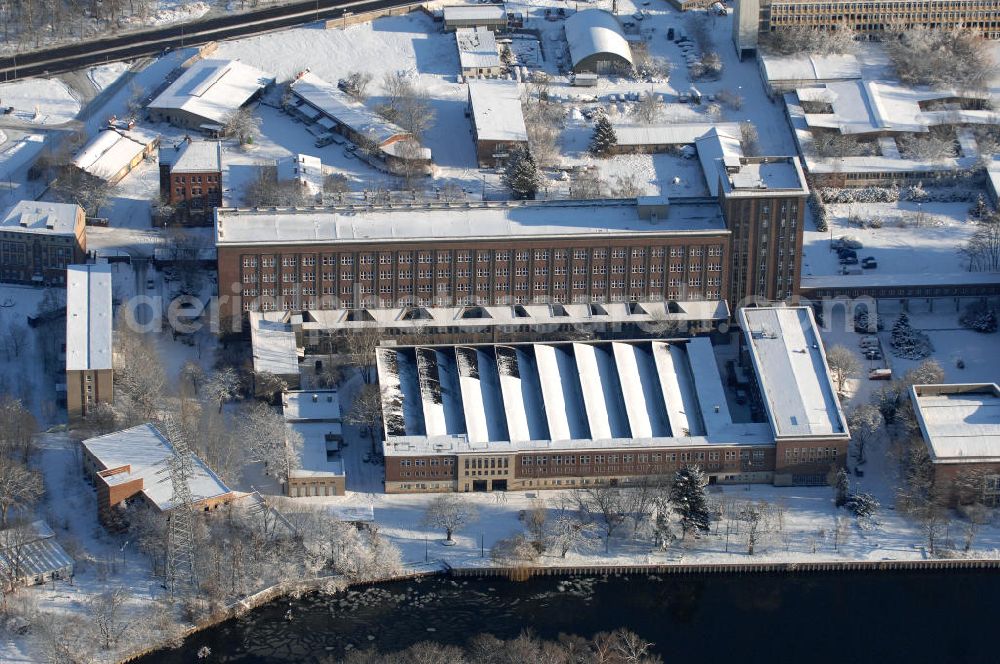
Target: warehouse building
<point x="208" y="93"/>
<point x="597" y="43"/>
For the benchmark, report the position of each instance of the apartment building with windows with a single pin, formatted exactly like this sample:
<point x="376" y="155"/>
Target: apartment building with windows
<point x="191" y="180"/>
<point x="495" y="253"/>
<point x="528" y="416"/>
<point x="38" y="240"/>
<point x="755" y="18"/>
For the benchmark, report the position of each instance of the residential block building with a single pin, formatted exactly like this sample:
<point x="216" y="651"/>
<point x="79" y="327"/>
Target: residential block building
<point x="39" y="239"/>
<point x="89" y="351"/>
<point x="191" y="179"/>
<point x="487" y="417"/>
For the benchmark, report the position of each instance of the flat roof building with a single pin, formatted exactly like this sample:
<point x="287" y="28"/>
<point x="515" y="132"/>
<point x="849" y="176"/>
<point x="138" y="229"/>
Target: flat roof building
<point x="191" y="179"/>
<point x="131" y="463"/>
<point x="314" y="416"/>
<point x="960" y="424"/>
<point x="561" y="414"/>
<point x="492" y="17"/>
<point x="597" y="42"/>
<point x="497" y="119"/>
<point x="208" y="93"/>
<point x="306" y="171"/>
<point x="275" y="350"/>
<point x="89" y="345"/>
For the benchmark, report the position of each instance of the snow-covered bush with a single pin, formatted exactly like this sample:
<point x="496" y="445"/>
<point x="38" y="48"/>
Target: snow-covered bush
<point x="907" y="342"/>
<point x="980" y="318"/>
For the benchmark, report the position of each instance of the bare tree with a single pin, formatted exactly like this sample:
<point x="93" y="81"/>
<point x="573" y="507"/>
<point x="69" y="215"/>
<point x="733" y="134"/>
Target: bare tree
<point x="587" y="185"/>
<point x="953" y="58"/>
<point x="242" y="125"/>
<point x="866" y="424"/>
<point x="626" y="186"/>
<point x="606" y="501"/>
<point x="649" y="108"/>
<point x="450" y="512"/>
<point x="356" y="85"/>
<point x="359" y="345"/>
<point x="567" y="532"/>
<point x="223" y="386"/>
<point x="801" y="39"/>
<point x="336" y="184"/>
<point x="749" y="139"/>
<point x="981" y="252"/>
<point x="843" y="364"/>
<point x="111" y="618"/>
<point x="17" y="429"/>
<point x="513" y="550"/>
<point x="73" y="185"/>
<point x="366" y="412"/>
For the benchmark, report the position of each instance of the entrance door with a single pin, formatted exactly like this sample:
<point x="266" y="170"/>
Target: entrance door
<point x="498" y="485"/>
<point x="479" y="485"/>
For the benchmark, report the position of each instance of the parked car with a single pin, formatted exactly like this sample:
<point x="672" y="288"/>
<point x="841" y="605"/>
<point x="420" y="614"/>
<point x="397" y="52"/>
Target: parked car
<point x="873" y="354"/>
<point x="150" y="283"/>
<point x="868" y="341"/>
<point x="869" y="263"/>
<point x="880" y="374"/>
<point x="849" y="260"/>
<point x="324" y="140"/>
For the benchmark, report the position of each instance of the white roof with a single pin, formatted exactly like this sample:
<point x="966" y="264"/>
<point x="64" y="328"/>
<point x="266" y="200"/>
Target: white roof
<point x="717" y="148"/>
<point x="212" y="89"/>
<point x="477" y="48"/>
<point x="960" y="423"/>
<point x="475" y="13"/>
<point x="582" y="395"/>
<point x="30" y="554"/>
<point x="594" y="31"/>
<point x="305" y="169"/>
<point x="810" y="67"/>
<point x="671" y="134"/>
<point x="453" y="221"/>
<point x="791" y="369"/>
<point x="88" y="317"/>
<point x="993" y="175"/>
<point x="874" y="279"/>
<point x="315" y="416"/>
<point x="496" y="110"/>
<point x="330" y="100"/>
<point x="112" y="150"/>
<point x="145" y="451"/>
<point x="41" y="217"/>
<point x="193" y="156"/>
<point x="274" y="348"/>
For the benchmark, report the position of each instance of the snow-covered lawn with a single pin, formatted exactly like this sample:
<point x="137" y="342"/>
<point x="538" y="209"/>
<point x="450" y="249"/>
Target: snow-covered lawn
<point x="914" y="238"/>
<point x="43" y="101"/>
<point x="104" y="75"/>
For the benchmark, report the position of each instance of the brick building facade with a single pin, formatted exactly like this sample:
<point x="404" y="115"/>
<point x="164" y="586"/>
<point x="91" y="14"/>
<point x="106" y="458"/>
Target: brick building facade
<point x="681" y="254"/>
<point x="191" y="180"/>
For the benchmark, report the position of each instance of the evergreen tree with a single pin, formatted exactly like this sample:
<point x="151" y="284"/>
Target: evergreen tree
<point x="842" y="485"/>
<point x="604" y="138"/>
<point x="907" y="342"/>
<point x="687" y="495"/>
<point x="521" y="174"/>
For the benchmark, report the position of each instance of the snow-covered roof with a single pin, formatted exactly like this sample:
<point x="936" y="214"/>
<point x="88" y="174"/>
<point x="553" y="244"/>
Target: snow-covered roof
<point x="560" y="395"/>
<point x="112" y="150"/>
<point x="192" y="156"/>
<point x="819" y="68"/>
<point x="718" y="148"/>
<point x="331" y="101"/>
<point x="142" y="452"/>
<point x="685" y="133"/>
<point x="993" y="177"/>
<point x="792" y="373"/>
<point x="961" y="422"/>
<point x="595" y="31"/>
<point x="88" y="317"/>
<point x="274" y="347"/>
<point x="496" y="110"/>
<point x="435" y="221"/>
<point x="477" y="48"/>
<point x="31" y="550"/>
<point x="304" y="169"/>
<point x="212" y="89"/>
<point x="475" y="13"/>
<point x="41" y="217"/>
<point x="315" y="416"/>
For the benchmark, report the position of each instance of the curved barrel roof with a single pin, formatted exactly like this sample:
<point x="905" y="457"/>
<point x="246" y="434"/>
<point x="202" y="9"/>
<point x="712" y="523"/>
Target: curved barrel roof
<point x="595" y="31"/>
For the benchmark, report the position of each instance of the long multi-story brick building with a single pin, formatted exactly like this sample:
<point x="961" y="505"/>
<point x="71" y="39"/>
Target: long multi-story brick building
<point x="754" y="18"/>
<point x="563" y="415"/>
<point x="39" y="239"/>
<point x="472" y="253"/>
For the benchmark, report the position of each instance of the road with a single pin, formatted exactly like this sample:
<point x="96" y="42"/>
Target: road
<point x="152" y="42"/>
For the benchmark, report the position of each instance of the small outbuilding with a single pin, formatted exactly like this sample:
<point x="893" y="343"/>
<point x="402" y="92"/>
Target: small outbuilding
<point x="30" y="554"/>
<point x="597" y="42"/>
<point x="113" y="153"/>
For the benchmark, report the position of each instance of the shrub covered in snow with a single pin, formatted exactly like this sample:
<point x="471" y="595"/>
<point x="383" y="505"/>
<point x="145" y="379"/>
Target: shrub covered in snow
<point x="907" y="342"/>
<point x="979" y="317"/>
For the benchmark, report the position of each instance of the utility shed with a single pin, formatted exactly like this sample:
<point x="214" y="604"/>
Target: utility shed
<point x="493" y="17"/>
<point x="597" y="42"/>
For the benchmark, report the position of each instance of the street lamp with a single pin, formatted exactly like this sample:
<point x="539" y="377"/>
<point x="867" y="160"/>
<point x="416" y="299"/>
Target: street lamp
<point x="124" y="544"/>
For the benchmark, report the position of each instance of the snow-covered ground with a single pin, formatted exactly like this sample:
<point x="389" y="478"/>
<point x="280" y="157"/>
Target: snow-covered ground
<point x="914" y="238"/>
<point x="104" y="75"/>
<point x="42" y="101"/>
